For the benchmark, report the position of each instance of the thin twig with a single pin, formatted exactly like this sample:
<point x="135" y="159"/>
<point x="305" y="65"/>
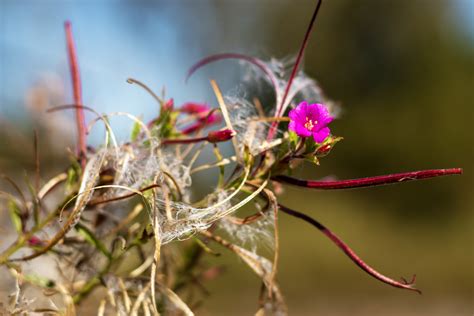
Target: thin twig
<point x="348" y="251"/>
<point x="280" y="107"/>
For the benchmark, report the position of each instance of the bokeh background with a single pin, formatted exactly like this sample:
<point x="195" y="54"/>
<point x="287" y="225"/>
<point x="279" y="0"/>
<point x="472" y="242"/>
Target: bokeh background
<point x="403" y="72"/>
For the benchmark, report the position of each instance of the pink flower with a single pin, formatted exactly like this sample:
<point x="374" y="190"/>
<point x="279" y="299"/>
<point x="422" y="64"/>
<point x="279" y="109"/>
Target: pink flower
<point x="310" y="120"/>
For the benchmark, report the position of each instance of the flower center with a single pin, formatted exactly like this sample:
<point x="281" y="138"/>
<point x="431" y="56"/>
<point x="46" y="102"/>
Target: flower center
<point x="310" y="124"/>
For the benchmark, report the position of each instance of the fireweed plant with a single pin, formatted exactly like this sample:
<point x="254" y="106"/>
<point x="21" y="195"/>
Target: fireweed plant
<point x="120" y="222"/>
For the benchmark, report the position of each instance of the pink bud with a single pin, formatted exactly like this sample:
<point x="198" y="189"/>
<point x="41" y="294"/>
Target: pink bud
<point x="194" y="108"/>
<point x="202" y="111"/>
<point x="220" y="136"/>
<point x="169" y="105"/>
<point x="34" y="241"/>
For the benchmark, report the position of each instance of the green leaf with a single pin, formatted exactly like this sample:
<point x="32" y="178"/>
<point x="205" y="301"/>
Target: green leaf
<point x="217" y="153"/>
<point x="135" y="131"/>
<point x="149" y="230"/>
<point x="15" y="215"/>
<point x="312" y="159"/>
<point x="39" y="281"/>
<point x="293" y="139"/>
<point x="311" y="145"/>
<point x="92" y="239"/>
<point x="247" y="156"/>
<point x="206" y="247"/>
<point x="73" y="176"/>
<point x="34" y="199"/>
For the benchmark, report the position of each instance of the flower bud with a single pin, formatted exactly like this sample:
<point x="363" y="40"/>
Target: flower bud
<point x="194" y="108"/>
<point x="323" y="150"/>
<point x="220" y="136"/>
<point x="169" y="105"/>
<point x="204" y="116"/>
<point x="34" y="241"/>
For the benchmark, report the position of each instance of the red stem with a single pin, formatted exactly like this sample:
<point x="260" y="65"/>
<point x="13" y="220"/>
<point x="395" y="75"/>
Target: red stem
<point x="349" y="252"/>
<point x="252" y="60"/>
<point x="183" y="140"/>
<point x="295" y="68"/>
<point x="369" y="181"/>
<point x="77" y="91"/>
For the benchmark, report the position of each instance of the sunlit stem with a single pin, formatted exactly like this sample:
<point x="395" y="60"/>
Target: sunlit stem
<point x="77" y="91"/>
<point x="369" y="181"/>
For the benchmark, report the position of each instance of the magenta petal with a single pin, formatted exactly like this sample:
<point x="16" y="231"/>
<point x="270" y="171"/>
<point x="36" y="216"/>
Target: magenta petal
<point x="326" y="120"/>
<point x="194" y="108"/>
<point x="323" y="113"/>
<point x="300" y="112"/>
<point x="321" y="135"/>
<point x="313" y="111"/>
<point x="323" y="110"/>
<point x="292" y="126"/>
<point x="293" y="115"/>
<point x="303" y="105"/>
<point x="301" y="130"/>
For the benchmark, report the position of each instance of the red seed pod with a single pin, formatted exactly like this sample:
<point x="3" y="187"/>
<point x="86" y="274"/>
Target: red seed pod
<point x="323" y="150"/>
<point x="220" y="136"/>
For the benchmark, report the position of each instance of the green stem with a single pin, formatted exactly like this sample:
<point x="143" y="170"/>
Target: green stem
<point x="22" y="239"/>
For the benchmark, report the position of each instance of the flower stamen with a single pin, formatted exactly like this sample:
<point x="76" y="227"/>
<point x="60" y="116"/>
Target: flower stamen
<point x="310" y="124"/>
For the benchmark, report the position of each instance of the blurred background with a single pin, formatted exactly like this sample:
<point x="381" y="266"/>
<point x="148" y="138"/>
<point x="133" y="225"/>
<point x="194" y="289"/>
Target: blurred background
<point x="402" y="71"/>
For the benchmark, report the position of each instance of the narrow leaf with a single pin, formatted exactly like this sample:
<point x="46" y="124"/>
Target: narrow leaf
<point x="15" y="216"/>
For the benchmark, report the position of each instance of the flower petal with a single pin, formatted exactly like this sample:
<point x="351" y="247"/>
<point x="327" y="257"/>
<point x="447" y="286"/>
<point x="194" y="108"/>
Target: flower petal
<point x="321" y="135"/>
<point x="299" y="113"/>
<point x="324" y="116"/>
<point x="326" y="120"/>
<point x="301" y="130"/>
<point x="193" y="108"/>
<point x="303" y="105"/>
<point x="292" y="126"/>
<point x="293" y="115"/>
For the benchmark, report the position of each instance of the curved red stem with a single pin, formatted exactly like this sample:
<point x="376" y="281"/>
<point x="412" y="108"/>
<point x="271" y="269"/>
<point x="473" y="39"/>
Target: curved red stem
<point x="349" y="252"/>
<point x="369" y="181"/>
<point x="255" y="61"/>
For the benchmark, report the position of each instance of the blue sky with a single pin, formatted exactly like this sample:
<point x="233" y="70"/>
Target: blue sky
<point x="152" y="42"/>
<point x="113" y="43"/>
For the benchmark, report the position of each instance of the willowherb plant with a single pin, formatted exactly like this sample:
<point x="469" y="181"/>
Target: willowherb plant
<point x="120" y="217"/>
